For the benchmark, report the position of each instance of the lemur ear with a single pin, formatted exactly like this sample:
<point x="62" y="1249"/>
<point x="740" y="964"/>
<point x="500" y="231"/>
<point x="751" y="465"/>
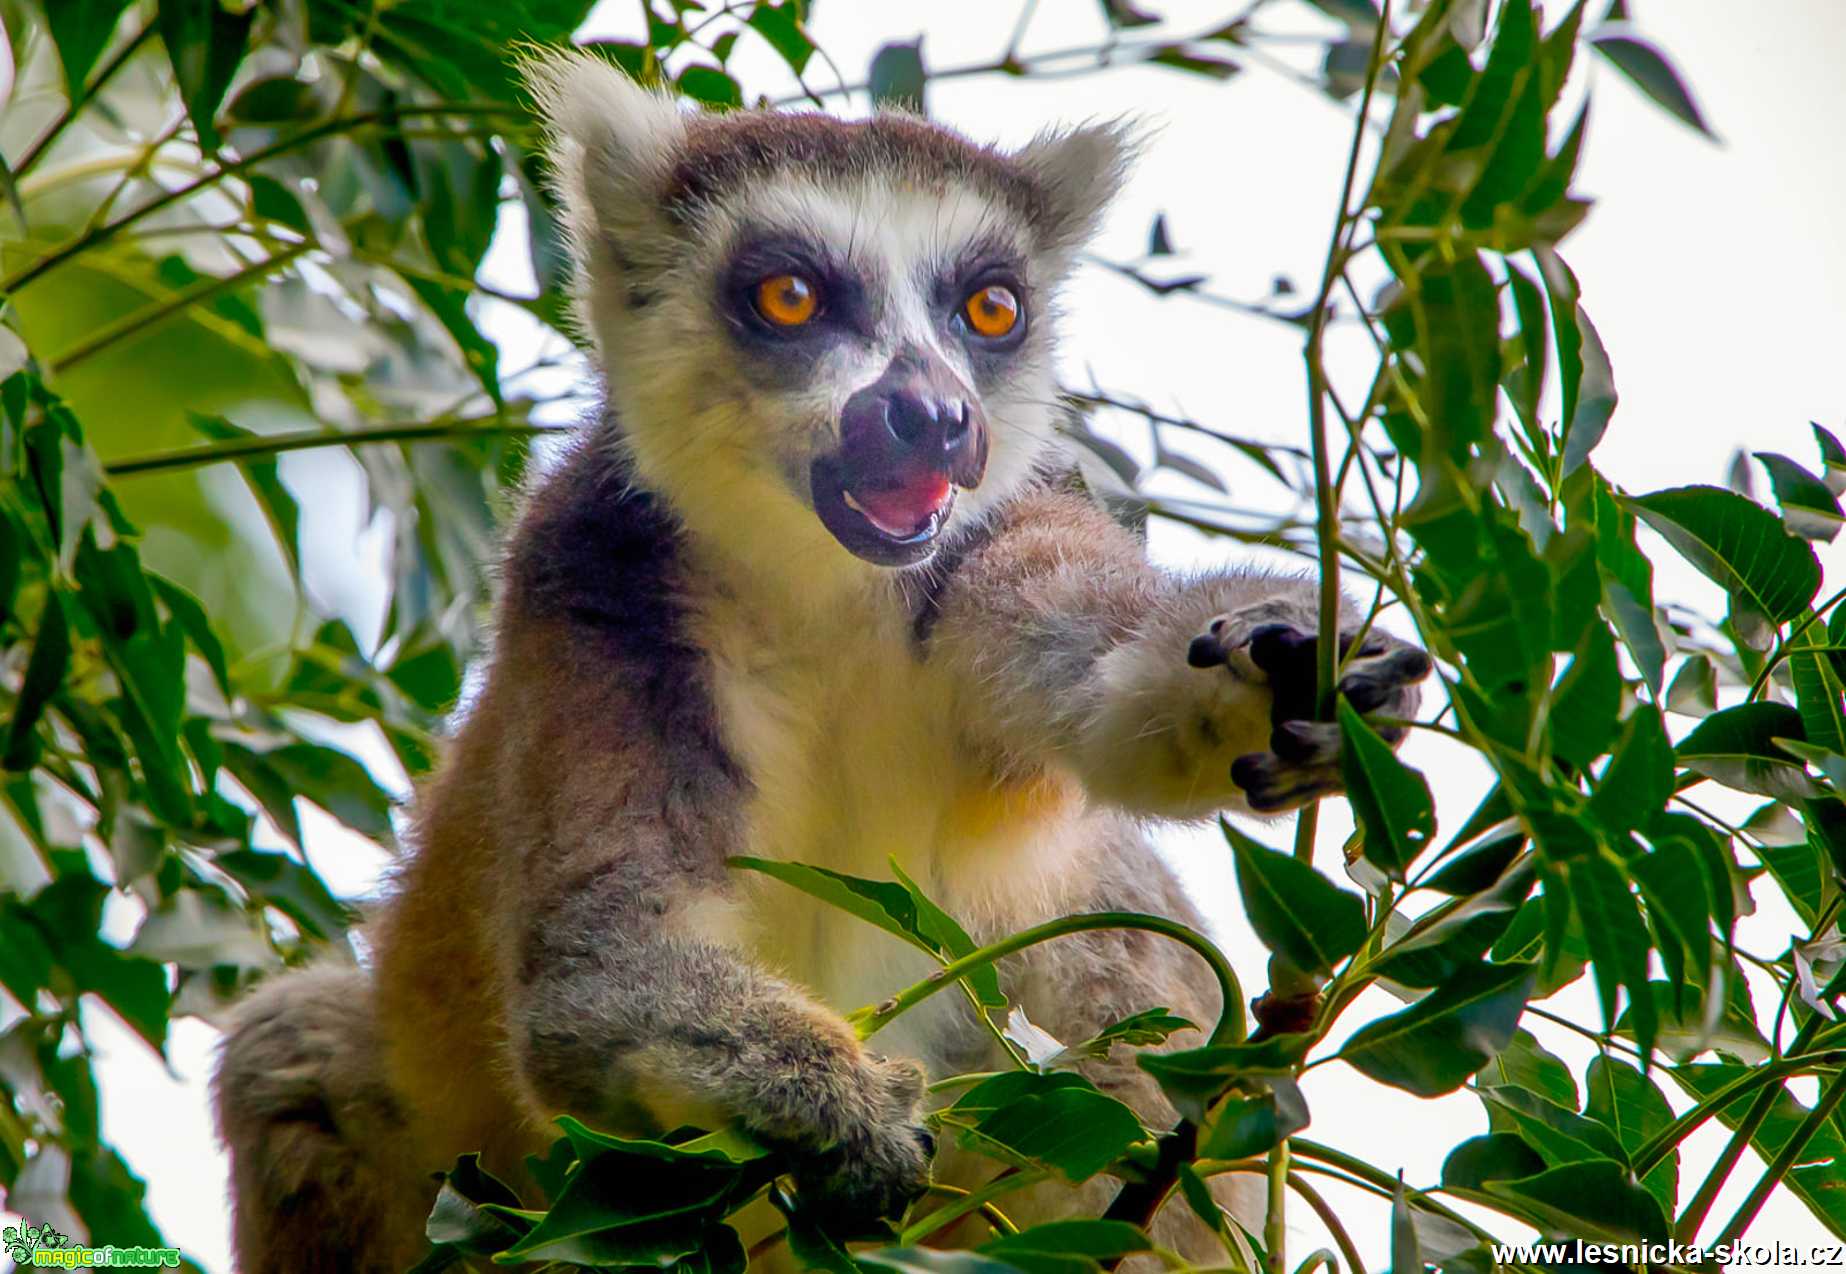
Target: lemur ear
<point x="611" y="146"/>
<point x="1079" y="171"/>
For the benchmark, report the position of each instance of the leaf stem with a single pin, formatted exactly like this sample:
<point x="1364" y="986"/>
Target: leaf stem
<point x="1355" y="1263"/>
<point x="1275" y="1213"/>
<point x="75" y="106"/>
<point x="1662" y="1143"/>
<point x="307" y="439"/>
<point x="1230" y="1029"/>
<point x="1326" y="494"/>
<point x="1687" y="1227"/>
<point x="138" y="322"/>
<point x="100" y="235"/>
<point x="1831" y="1097"/>
<point x="973" y="1200"/>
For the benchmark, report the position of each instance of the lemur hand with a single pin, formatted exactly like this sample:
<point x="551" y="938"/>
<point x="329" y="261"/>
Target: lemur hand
<point x="879" y="1161"/>
<point x="1303" y="761"/>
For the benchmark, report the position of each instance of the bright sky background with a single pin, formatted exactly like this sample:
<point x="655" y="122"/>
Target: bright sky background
<point x="1716" y="275"/>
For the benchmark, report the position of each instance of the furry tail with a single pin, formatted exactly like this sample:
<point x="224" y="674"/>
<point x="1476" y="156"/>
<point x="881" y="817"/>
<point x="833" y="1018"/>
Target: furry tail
<point x="320" y="1179"/>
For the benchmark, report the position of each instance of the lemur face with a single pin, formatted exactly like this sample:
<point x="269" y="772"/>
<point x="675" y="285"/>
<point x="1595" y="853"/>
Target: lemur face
<point x="837" y="334"/>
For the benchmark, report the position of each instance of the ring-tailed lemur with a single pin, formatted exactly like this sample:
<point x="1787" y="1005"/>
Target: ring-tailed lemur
<point x="812" y="587"/>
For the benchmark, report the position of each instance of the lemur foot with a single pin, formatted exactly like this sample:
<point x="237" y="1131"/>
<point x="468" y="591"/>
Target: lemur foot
<point x="1303" y="761"/>
<point x="881" y="1164"/>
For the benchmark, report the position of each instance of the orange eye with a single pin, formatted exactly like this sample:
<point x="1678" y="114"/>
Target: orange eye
<point x="787" y="300"/>
<point x="992" y="312"/>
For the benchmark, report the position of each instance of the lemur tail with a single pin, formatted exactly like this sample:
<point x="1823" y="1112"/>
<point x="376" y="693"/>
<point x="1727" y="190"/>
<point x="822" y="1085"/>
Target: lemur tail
<point x="315" y="1133"/>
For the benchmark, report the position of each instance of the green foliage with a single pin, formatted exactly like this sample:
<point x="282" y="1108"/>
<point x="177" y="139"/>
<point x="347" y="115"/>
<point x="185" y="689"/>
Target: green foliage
<point x="303" y="236"/>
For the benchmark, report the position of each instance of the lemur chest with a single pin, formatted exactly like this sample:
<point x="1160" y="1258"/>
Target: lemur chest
<point x="858" y="755"/>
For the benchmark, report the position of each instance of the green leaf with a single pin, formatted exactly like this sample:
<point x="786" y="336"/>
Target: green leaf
<point x="264" y="477"/>
<point x="1594" y="1200"/>
<point x="1808" y="507"/>
<point x="780" y="25"/>
<point x="290" y="887"/>
<point x="1480" y="864"/>
<point x="901" y="910"/>
<point x="1193" y="1077"/>
<point x="1639" y="780"/>
<point x="1253" y="1123"/>
<point x="1406" y="1247"/>
<point x="897" y="77"/>
<point x="1768" y="572"/>
<point x="928" y="1260"/>
<point x="1527" y="1064"/>
<point x="710" y="85"/>
<point x="1497" y="1156"/>
<point x="1820" y="689"/>
<point x="1391" y="800"/>
<point x="1694" y="692"/>
<point x="50" y="660"/>
<point x="205" y="42"/>
<point x="1833" y="459"/>
<point x="1596" y="396"/>
<point x="1150" y="1026"/>
<point x="1650" y="71"/>
<point x="1628" y="1104"/>
<point x="1587" y="700"/>
<point x="1448" y="942"/>
<point x="1737" y="748"/>
<point x="1617" y="937"/>
<point x="1433" y="1046"/>
<point x="1059" y="1121"/>
<point x="1559" y="1134"/>
<point x="1293" y="908"/>
<point x="81" y="30"/>
<point x="337" y="783"/>
<point x="1067" y="1247"/>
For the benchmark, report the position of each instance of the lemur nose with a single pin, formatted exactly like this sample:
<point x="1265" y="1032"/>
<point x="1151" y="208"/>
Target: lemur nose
<point x="922" y="421"/>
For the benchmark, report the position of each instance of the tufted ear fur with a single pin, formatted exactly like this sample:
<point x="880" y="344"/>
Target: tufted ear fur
<point x="1079" y="171"/>
<point x="611" y="145"/>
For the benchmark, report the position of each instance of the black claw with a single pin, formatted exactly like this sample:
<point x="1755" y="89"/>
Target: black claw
<point x="1365" y="694"/>
<point x="1277" y="648"/>
<point x="1206" y="651"/>
<point x="1247" y="771"/>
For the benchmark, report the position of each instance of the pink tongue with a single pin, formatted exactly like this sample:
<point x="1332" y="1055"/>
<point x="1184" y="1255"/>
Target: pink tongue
<point x="904" y="510"/>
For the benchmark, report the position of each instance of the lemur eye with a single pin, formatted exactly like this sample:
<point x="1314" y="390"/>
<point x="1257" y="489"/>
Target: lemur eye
<point x="992" y="311"/>
<point x="787" y="300"/>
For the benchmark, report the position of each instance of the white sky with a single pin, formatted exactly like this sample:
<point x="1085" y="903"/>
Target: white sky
<point x="1717" y="277"/>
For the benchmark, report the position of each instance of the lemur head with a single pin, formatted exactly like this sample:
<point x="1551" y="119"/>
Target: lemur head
<point x="809" y="323"/>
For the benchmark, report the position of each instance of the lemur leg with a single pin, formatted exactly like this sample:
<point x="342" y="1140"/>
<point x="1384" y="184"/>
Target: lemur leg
<point x="1150" y="687"/>
<point x="316" y="1137"/>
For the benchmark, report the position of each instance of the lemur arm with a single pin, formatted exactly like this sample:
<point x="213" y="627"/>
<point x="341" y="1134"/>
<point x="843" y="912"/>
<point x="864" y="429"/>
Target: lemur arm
<point x="620" y="1005"/>
<point x="1072" y="649"/>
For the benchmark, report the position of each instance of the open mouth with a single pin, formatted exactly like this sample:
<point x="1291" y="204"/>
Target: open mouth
<point x="892" y="521"/>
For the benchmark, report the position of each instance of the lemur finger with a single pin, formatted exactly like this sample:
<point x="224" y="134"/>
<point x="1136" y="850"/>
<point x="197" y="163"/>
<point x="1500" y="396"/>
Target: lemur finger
<point x="1271" y="784"/>
<point x="1306" y="742"/>
<point x="1399" y="665"/>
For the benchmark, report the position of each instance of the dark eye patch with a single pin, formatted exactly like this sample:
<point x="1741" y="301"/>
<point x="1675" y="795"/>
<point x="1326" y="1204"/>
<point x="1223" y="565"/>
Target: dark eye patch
<point x="845" y="305"/>
<point x="981" y="264"/>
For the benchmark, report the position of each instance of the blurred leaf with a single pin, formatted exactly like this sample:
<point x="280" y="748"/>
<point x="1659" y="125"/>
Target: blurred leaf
<point x="1833" y="459"/>
<point x="1694" y="692"/>
<point x="337" y="783"/>
<point x="1433" y="1046"/>
<point x="1642" y="63"/>
<point x="1250" y="1123"/>
<point x="897" y="77"/>
<point x="780" y="25"/>
<point x="81" y="29"/>
<point x="710" y="85"/>
<point x="289" y="886"/>
<point x="51" y="653"/>
<point x="1293" y="908"/>
<point x="1158" y="244"/>
<point x="205" y="41"/>
<point x="1182" y="58"/>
